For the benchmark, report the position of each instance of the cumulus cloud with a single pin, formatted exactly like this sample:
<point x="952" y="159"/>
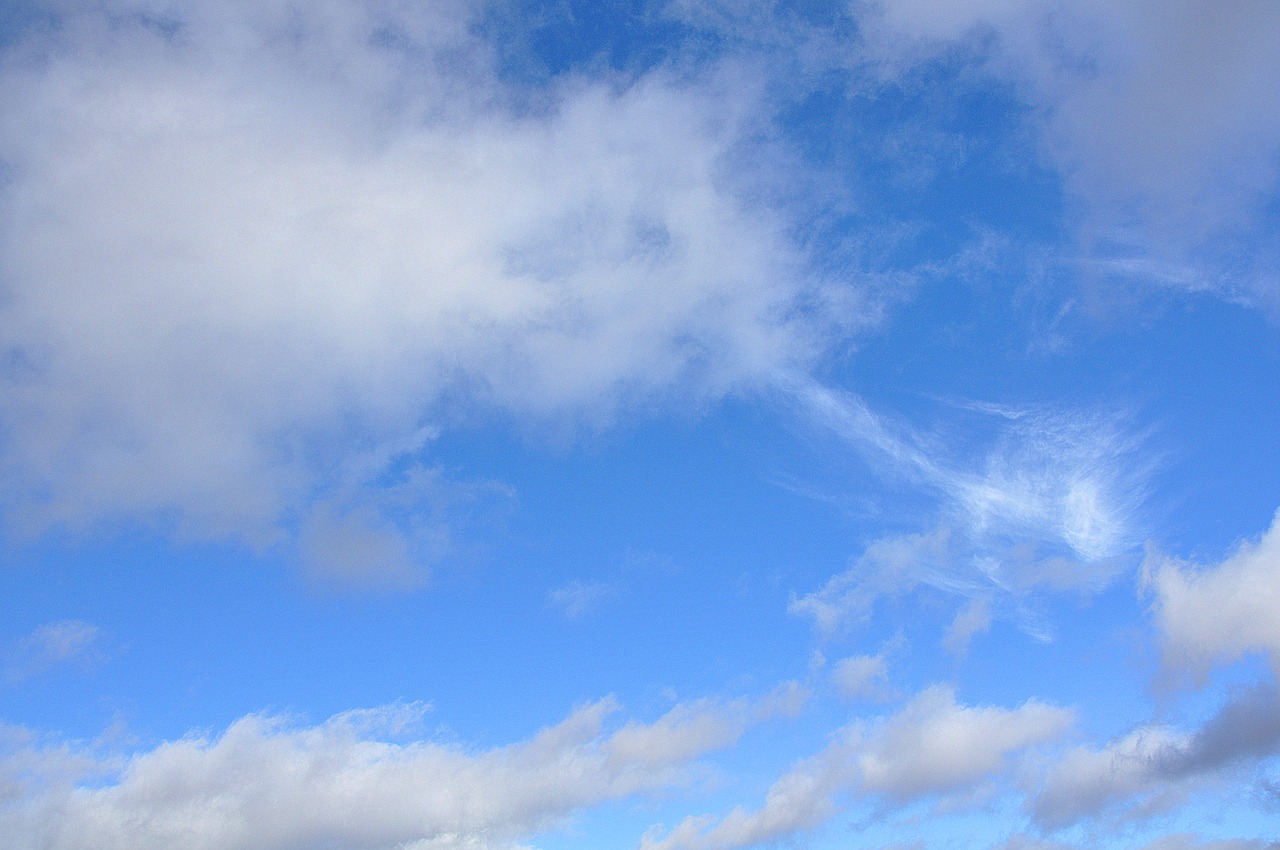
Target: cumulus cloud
<point x="243" y="240"/>
<point x="933" y="746"/>
<point x="1219" y="613"/>
<point x="1154" y="768"/>
<point x="265" y="784"/>
<point x="53" y="644"/>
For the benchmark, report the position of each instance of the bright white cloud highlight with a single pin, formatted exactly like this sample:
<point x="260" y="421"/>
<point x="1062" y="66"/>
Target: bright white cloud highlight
<point x="264" y="785"/>
<point x="1217" y="614"/>
<point x="933" y="746"/>
<point x="1064" y="477"/>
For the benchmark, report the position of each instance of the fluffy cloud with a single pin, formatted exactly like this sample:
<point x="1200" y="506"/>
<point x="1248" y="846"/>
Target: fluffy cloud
<point x="244" y="239"/>
<point x="263" y="784"/>
<point x="1153" y="768"/>
<point x="1219" y="613"/>
<point x="933" y="746"/>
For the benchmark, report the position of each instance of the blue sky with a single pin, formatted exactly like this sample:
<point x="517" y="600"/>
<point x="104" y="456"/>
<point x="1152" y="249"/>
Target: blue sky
<point x="658" y="425"/>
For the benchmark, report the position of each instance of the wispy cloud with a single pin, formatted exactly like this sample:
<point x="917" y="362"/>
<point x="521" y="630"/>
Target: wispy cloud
<point x="51" y="645"/>
<point x="578" y="598"/>
<point x="1063" y="476"/>
<point x="1049" y="502"/>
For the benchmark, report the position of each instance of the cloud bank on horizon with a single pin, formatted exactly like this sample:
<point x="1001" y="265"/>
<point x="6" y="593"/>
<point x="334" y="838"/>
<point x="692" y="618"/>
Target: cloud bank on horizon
<point x="876" y="398"/>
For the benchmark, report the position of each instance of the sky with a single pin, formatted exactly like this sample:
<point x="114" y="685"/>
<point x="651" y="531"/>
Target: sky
<point x="648" y="424"/>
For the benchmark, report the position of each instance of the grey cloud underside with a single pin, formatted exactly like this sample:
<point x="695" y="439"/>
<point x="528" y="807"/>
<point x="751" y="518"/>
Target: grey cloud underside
<point x="1154" y="768"/>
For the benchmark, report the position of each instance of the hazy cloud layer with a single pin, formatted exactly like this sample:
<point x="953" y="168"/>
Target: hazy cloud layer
<point x="266" y="785"/>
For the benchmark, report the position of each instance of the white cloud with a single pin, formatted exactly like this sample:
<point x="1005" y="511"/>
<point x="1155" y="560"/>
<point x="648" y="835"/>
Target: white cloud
<point x="244" y="239"/>
<point x="1049" y="502"/>
<point x="1061" y="476"/>
<point x="936" y="745"/>
<point x="933" y="746"/>
<point x="263" y="784"/>
<point x="861" y="677"/>
<point x="1219" y="613"/>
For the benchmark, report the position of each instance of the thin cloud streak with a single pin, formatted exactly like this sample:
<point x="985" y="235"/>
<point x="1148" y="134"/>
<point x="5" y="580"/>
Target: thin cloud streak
<point x="1050" y="476"/>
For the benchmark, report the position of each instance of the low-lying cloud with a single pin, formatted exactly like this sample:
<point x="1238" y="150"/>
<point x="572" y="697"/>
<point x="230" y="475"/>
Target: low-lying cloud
<point x="352" y="781"/>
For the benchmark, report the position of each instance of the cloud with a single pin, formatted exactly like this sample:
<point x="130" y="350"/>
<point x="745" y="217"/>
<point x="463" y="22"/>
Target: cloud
<point x="578" y="597"/>
<point x="973" y="619"/>
<point x="1188" y="841"/>
<point x="1219" y="613"/>
<point x="1066" y="477"/>
<point x="265" y="784"/>
<point x="861" y="677"/>
<point x="888" y="566"/>
<point x="1176" y="841"/>
<point x="1154" y="768"/>
<point x="933" y="746"/>
<point x="52" y="644"/>
<point x="1156" y="114"/>
<point x="1049" y="502"/>
<point x="244" y="241"/>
